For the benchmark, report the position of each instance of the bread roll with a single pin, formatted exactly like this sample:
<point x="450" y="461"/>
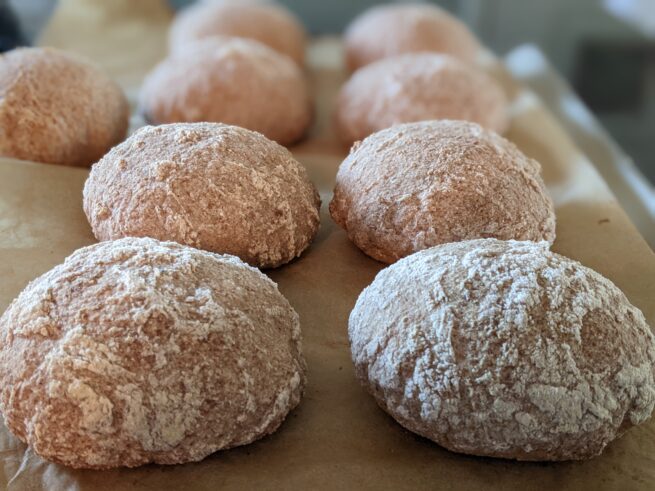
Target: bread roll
<point x="417" y="185"/>
<point x="208" y="185"/>
<point x="394" y="29"/>
<point x="58" y="108"/>
<point x="504" y="349"/>
<point x="269" y="23"/>
<point x="418" y="87"/>
<point x="137" y="351"/>
<point x="233" y="81"/>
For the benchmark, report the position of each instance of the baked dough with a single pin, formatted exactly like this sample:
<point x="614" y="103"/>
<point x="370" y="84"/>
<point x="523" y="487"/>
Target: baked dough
<point x="269" y="23"/>
<point x="233" y="81"/>
<point x="504" y="349"/>
<point x="58" y="108"/>
<point x="394" y="29"/>
<point x="136" y="351"/>
<point x="418" y="87"/>
<point x="208" y="185"/>
<point x="416" y="185"/>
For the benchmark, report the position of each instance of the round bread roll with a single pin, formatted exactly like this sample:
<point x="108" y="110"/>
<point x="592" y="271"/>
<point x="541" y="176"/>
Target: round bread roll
<point x="390" y="30"/>
<point x="58" y="108"/>
<point x="416" y="185"/>
<point x="208" y="185"/>
<point x="418" y="87"/>
<point x="136" y="351"/>
<point x="269" y="23"/>
<point x="504" y="349"/>
<point x="230" y="80"/>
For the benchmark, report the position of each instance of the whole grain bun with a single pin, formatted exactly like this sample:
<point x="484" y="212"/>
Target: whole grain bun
<point x="416" y="185"/>
<point x="504" y="349"/>
<point x="233" y="81"/>
<point x="208" y="185"/>
<point x="58" y="108"/>
<point x="269" y="23"/>
<point x="394" y="29"/>
<point x="136" y="351"/>
<point x="418" y="87"/>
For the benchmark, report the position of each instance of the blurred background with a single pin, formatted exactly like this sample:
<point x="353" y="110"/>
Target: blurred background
<point x="605" y="49"/>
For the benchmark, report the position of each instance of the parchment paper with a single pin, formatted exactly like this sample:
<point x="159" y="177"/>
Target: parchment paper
<point x="337" y="438"/>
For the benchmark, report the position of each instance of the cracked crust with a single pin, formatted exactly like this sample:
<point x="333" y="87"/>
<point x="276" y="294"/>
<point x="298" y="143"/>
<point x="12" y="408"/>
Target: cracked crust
<point x="418" y="87"/>
<point x="504" y="349"/>
<point x="136" y="351"/>
<point x="233" y="81"/>
<point x="58" y="108"/>
<point x="390" y="30"/>
<point x="269" y="23"/>
<point x="208" y="185"/>
<point x="416" y="185"/>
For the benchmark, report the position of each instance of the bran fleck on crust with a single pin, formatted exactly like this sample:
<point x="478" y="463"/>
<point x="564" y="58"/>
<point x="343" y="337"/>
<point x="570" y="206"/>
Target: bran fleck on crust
<point x="137" y="351"/>
<point x="504" y="349"/>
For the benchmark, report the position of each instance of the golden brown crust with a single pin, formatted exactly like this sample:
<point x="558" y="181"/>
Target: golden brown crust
<point x="57" y="108"/>
<point x="416" y="185"/>
<point x="418" y="87"/>
<point x="504" y="349"/>
<point x="390" y="30"/>
<point x="138" y="351"/>
<point x="233" y="81"/>
<point x="212" y="186"/>
<point x="269" y="23"/>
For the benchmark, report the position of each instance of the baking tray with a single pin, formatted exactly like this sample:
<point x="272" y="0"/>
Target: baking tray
<point x="337" y="438"/>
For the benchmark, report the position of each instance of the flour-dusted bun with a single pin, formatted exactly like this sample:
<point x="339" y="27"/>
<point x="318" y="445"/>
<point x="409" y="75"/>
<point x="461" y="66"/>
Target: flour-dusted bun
<point x="504" y="349"/>
<point x="390" y="30"/>
<point x="269" y="23"/>
<point x="233" y="81"/>
<point x="418" y="87"/>
<point x="212" y="186"/>
<point x="58" y="108"/>
<point x="136" y="351"/>
<point x="416" y="185"/>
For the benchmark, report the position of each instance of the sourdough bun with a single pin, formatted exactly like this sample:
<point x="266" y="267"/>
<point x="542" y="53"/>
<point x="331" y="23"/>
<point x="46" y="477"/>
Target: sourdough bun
<point x="208" y="185"/>
<point x="504" y="349"/>
<point x="418" y="87"/>
<point x="136" y="351"/>
<point x="417" y="185"/>
<point x="394" y="29"/>
<point x="269" y="23"/>
<point x="233" y="81"/>
<point x="58" y="108"/>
